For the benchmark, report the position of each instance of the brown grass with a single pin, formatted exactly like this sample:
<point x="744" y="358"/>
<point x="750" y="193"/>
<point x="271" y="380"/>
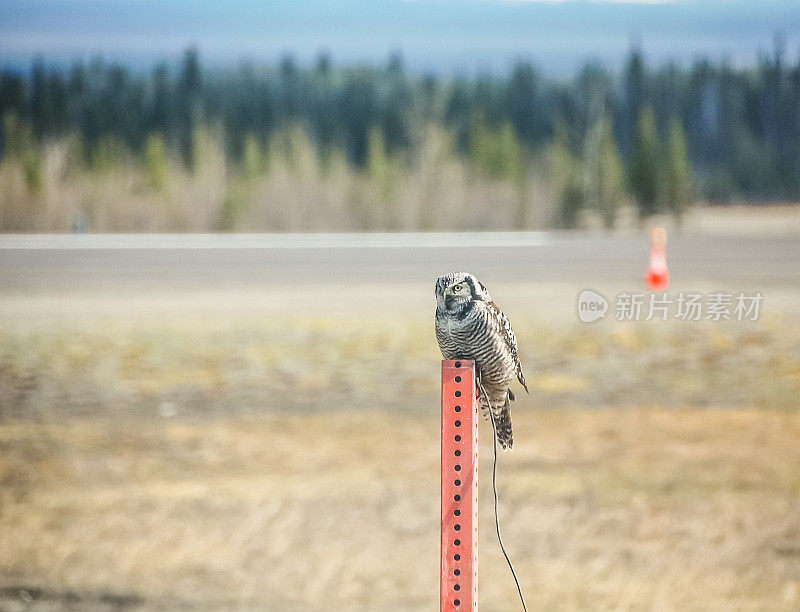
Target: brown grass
<point x="248" y="364"/>
<point x="612" y="509"/>
<point x="292" y="463"/>
<point x="294" y="189"/>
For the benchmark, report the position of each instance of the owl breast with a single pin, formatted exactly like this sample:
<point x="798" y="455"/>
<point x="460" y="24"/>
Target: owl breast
<point x="476" y="336"/>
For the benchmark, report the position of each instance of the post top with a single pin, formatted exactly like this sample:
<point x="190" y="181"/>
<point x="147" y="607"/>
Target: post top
<point x="457" y="364"/>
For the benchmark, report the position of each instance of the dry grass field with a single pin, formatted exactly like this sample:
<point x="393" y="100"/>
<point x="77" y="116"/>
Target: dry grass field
<point x="609" y="509"/>
<point x="297" y="190"/>
<point x="291" y="463"/>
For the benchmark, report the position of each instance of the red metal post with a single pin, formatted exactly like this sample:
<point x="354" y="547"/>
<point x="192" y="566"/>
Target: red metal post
<point x="459" y="528"/>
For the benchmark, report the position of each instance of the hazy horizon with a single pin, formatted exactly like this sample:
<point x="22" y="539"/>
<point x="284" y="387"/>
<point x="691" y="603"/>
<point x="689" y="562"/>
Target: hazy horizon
<point x="440" y="36"/>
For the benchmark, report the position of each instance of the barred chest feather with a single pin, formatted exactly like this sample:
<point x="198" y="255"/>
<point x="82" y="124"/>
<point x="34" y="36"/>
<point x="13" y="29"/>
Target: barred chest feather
<point x="476" y="335"/>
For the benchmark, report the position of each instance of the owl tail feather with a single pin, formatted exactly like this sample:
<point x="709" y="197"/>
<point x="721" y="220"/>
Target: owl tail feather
<point x="502" y="425"/>
<point x="500" y="416"/>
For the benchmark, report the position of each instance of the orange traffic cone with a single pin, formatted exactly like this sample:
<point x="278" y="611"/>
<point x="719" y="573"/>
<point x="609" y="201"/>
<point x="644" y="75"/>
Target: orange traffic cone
<point x="657" y="274"/>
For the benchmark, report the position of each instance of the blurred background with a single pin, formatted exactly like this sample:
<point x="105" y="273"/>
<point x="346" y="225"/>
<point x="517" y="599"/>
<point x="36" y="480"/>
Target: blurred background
<point x="221" y="226"/>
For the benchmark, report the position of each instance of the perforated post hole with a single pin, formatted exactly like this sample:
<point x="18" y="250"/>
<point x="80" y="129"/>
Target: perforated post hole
<point x="459" y="470"/>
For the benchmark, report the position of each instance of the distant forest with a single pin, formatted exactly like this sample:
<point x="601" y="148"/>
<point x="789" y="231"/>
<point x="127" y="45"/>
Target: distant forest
<point x="738" y="128"/>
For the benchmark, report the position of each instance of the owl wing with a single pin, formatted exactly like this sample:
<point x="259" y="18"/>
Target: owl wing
<point x="511" y="342"/>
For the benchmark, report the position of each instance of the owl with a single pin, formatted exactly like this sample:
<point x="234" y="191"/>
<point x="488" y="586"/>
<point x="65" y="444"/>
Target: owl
<point x="469" y="325"/>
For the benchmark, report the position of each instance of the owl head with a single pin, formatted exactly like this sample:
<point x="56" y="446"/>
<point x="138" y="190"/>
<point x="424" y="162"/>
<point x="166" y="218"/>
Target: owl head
<point x="457" y="289"/>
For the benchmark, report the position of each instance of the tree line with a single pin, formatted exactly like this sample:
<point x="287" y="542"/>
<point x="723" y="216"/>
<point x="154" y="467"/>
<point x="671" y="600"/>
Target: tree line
<point x="664" y="135"/>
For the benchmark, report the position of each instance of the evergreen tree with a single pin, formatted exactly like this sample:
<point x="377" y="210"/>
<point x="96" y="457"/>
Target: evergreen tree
<point x="323" y="65"/>
<point x="159" y="113"/>
<point x="678" y="175"/>
<point x="524" y="106"/>
<point x="357" y="116"/>
<point x="39" y="103"/>
<point x="457" y="112"/>
<point x="12" y="98"/>
<point x="634" y="99"/>
<point x="395" y="108"/>
<point x="12" y="92"/>
<point x="605" y="174"/>
<point x="565" y="171"/>
<point x="188" y="102"/>
<point x="645" y="165"/>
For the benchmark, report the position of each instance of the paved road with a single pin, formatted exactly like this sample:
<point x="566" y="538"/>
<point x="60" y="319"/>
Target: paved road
<point x="66" y="263"/>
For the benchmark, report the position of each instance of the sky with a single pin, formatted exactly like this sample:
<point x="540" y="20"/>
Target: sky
<point x="441" y="36"/>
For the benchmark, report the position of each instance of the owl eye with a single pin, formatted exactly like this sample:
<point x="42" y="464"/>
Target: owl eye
<point x="457" y="288"/>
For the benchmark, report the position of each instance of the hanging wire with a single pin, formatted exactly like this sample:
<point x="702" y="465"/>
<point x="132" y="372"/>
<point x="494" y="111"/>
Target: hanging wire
<point x="494" y="489"/>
